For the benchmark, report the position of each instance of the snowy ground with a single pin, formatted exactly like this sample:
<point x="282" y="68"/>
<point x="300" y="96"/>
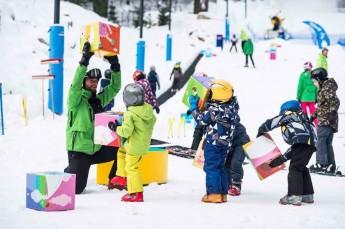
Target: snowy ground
<point x="41" y="145"/>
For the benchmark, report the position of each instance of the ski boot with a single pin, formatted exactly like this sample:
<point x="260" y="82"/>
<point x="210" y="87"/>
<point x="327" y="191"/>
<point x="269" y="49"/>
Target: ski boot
<point x="118" y="182"/>
<point x="294" y="200"/>
<point x="133" y="197"/>
<point x="212" y="198"/>
<point x="234" y="190"/>
<point x="309" y="199"/>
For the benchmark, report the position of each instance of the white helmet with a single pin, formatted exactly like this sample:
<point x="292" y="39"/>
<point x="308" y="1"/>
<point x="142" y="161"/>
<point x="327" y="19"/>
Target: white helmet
<point x="133" y="95"/>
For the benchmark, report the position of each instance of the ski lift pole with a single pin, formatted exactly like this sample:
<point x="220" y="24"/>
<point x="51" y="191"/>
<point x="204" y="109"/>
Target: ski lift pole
<point x="1" y="112"/>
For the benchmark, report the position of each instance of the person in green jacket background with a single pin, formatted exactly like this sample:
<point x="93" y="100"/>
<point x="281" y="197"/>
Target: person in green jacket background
<point x="82" y="104"/>
<point x="248" y="50"/>
<point x="135" y="131"/>
<point x="321" y="61"/>
<point x="307" y="91"/>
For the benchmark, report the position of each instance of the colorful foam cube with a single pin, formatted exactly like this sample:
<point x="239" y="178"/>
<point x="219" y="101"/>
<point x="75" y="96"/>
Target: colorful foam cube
<point x="260" y="152"/>
<point x="50" y="191"/>
<point x="103" y="135"/>
<point x="153" y="167"/>
<point x="104" y="38"/>
<point x="202" y="83"/>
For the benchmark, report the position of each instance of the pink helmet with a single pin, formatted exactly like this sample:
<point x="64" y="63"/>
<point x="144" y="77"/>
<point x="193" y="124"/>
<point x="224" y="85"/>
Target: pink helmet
<point x="307" y="65"/>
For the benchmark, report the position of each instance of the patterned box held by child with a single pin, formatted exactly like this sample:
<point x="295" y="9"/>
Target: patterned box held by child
<point x="103" y="134"/>
<point x="104" y="38"/>
<point x="260" y="152"/>
<point x="202" y="83"/>
<point x="50" y="191"/>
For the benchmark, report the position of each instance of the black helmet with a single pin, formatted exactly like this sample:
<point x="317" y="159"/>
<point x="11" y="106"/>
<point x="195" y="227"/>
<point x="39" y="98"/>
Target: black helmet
<point x="94" y="73"/>
<point x="133" y="95"/>
<point x="320" y="74"/>
<point x="107" y="74"/>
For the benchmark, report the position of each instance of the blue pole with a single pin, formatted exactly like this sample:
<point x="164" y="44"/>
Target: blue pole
<point x="56" y="50"/>
<point x="169" y="47"/>
<point x="227" y="29"/>
<point x="1" y="112"/>
<point x="140" y="55"/>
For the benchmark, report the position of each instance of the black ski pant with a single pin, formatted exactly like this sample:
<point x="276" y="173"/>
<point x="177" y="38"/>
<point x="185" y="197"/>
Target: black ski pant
<point x="251" y="58"/>
<point x="232" y="46"/>
<point x="79" y="163"/>
<point x="234" y="165"/>
<point x="299" y="180"/>
<point x="197" y="136"/>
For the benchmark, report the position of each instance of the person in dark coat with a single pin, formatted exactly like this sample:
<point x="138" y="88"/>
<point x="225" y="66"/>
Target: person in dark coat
<point x="234" y="41"/>
<point x="177" y="73"/>
<point x="299" y="132"/>
<point x="153" y="78"/>
<point x="105" y="82"/>
<point x="327" y="114"/>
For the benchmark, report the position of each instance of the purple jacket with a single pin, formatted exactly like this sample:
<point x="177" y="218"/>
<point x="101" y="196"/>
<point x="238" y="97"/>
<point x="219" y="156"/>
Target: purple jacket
<point x="150" y="98"/>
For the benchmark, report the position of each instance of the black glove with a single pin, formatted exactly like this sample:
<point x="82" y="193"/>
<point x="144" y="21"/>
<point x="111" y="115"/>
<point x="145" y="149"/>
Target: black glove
<point x="113" y="125"/>
<point x="277" y="161"/>
<point x="87" y="54"/>
<point x="261" y="131"/>
<point x="157" y="110"/>
<point x="114" y="62"/>
<point x="189" y="112"/>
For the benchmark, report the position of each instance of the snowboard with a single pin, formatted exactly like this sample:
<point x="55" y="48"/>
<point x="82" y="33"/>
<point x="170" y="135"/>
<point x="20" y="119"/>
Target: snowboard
<point x="337" y="173"/>
<point x="181" y="151"/>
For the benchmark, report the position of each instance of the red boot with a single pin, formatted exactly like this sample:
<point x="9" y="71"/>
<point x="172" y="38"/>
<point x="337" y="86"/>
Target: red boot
<point x="118" y="182"/>
<point x="133" y="197"/>
<point x="234" y="190"/>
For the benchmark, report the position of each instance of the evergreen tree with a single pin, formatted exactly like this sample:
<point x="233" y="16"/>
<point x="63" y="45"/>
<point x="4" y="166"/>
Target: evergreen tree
<point x="112" y="14"/>
<point x="163" y="17"/>
<point x="100" y="7"/>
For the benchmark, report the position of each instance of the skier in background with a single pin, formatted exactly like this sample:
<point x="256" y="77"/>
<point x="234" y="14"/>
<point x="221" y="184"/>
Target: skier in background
<point x="154" y="80"/>
<point x="177" y="73"/>
<point x="233" y="43"/>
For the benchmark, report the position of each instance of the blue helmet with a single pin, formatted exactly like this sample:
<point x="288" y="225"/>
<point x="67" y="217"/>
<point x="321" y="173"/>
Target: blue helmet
<point x="291" y="105"/>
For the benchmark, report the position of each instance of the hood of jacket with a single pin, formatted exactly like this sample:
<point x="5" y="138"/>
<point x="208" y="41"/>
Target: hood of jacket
<point x="145" y="112"/>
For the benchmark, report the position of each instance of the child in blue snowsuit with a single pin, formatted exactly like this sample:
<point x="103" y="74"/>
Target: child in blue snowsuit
<point x="219" y="118"/>
<point x="235" y="158"/>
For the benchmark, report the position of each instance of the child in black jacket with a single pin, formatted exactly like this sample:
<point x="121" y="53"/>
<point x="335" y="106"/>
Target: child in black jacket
<point x="299" y="132"/>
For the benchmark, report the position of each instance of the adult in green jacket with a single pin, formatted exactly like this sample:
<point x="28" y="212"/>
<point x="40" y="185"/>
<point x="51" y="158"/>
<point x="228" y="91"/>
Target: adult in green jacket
<point x="321" y="61"/>
<point x="248" y="50"/>
<point x="135" y="131"/>
<point x="307" y="91"/>
<point x="83" y="103"/>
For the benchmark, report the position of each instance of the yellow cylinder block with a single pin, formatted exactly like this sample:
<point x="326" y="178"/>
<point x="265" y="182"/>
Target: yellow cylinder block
<point x="153" y="168"/>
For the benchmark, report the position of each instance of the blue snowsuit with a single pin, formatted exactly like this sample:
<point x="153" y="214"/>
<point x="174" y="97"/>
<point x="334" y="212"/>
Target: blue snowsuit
<point x="220" y="121"/>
